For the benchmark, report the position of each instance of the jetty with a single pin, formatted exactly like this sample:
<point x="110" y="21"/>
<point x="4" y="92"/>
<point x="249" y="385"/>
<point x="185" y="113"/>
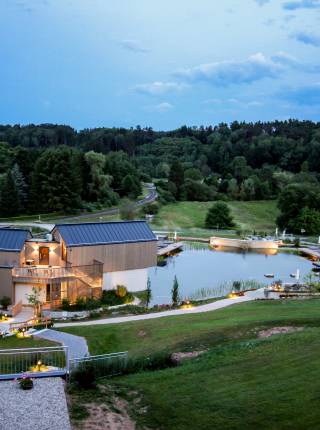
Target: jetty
<point x="313" y="253"/>
<point x="170" y="249"/>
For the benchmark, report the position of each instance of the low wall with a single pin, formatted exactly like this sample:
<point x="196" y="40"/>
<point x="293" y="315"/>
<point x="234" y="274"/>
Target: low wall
<point x="216" y="242"/>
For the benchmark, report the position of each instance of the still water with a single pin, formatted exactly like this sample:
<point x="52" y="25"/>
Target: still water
<point x="199" y="267"/>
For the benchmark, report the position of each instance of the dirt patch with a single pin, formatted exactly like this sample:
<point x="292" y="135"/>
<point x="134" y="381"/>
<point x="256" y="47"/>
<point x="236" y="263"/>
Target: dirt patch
<point x="105" y="417"/>
<point x="278" y="330"/>
<point x="142" y="333"/>
<point x="178" y="357"/>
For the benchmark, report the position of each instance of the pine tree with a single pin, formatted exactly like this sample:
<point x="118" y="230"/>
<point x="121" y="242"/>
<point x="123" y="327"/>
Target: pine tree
<point x="175" y="292"/>
<point x="21" y="186"/>
<point x="9" y="198"/>
<point x="148" y="293"/>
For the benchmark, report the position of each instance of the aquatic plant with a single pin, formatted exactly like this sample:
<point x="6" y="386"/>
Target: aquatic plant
<point x="225" y="288"/>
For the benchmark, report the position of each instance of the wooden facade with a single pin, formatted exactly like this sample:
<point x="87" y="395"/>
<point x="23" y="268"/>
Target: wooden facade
<point x="6" y="284"/>
<point x="115" y="257"/>
<point x="11" y="258"/>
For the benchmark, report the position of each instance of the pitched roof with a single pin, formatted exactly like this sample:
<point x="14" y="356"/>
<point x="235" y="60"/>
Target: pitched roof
<point x="12" y="239"/>
<point x="105" y="233"/>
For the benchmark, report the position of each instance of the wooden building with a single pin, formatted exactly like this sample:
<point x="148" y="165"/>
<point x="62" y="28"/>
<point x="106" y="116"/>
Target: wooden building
<point x="76" y="260"/>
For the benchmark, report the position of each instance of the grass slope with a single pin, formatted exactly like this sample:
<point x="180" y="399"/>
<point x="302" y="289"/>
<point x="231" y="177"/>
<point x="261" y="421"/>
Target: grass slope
<point x="203" y="330"/>
<point x="256" y="215"/>
<point x="241" y="382"/>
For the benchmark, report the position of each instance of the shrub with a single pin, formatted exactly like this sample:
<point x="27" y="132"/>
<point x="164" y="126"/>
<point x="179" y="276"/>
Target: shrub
<point x="84" y="376"/>
<point x="65" y="305"/>
<point x="111" y="298"/>
<point x="121" y="291"/>
<point x="25" y="383"/>
<point x="219" y="216"/>
<point x="5" y="302"/>
<point x="157" y="361"/>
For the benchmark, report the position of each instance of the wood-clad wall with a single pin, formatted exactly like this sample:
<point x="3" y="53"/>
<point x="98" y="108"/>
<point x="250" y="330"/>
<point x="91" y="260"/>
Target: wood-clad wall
<point x="6" y="284"/>
<point x="32" y="252"/>
<point x="8" y="258"/>
<point x="116" y="257"/>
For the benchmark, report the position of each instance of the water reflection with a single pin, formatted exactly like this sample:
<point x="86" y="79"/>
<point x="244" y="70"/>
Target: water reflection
<point x="199" y="267"/>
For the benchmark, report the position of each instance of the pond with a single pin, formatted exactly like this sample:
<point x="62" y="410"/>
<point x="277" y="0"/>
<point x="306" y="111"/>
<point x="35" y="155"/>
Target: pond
<point x="199" y="267"/>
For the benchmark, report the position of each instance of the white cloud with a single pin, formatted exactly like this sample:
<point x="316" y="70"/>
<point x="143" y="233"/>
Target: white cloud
<point x="158" y="87"/>
<point x="161" y="107"/>
<point x="225" y="73"/>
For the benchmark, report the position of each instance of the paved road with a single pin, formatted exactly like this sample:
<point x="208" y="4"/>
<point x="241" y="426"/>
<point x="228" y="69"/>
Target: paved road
<point x="77" y="345"/>
<point x="252" y="295"/>
<point x="149" y="198"/>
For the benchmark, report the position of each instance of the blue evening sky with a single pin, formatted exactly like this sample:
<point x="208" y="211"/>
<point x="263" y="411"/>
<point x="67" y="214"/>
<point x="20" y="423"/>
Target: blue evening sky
<point x="163" y="64"/>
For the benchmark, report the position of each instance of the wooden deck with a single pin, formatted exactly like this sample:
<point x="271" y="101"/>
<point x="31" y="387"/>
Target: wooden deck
<point x="313" y="253"/>
<point x="169" y="249"/>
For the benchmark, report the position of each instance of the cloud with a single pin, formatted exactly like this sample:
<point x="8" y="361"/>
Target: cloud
<point x="302" y="4"/>
<point x="158" y="87"/>
<point x="234" y="102"/>
<point x="161" y="107"/>
<point x="225" y="73"/>
<point x="307" y="38"/>
<point x="308" y="95"/>
<point x="262" y="2"/>
<point x="133" y="46"/>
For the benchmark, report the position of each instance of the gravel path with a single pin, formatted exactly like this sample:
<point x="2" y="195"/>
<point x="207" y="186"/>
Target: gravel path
<point x="77" y="345"/>
<point x="219" y="304"/>
<point x="42" y="408"/>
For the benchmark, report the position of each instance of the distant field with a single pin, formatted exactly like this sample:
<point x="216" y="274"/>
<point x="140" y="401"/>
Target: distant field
<point x="256" y="215"/>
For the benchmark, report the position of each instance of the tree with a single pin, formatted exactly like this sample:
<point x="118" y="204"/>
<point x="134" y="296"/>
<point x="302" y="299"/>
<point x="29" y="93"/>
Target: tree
<point x="9" y="197"/>
<point x="34" y="300"/>
<point x="307" y="220"/>
<point x="127" y="210"/>
<point x="148" y="293"/>
<point x="175" y="292"/>
<point x="131" y="186"/>
<point x="99" y="189"/>
<point x="55" y="184"/>
<point x="176" y="176"/>
<point x="219" y="216"/>
<point x="21" y="186"/>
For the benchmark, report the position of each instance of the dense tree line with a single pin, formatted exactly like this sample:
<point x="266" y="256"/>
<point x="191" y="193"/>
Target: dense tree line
<point x="56" y="168"/>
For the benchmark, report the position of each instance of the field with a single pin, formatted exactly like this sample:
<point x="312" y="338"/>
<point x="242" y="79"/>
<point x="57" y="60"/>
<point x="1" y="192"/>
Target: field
<point x="241" y="381"/>
<point x="255" y="215"/>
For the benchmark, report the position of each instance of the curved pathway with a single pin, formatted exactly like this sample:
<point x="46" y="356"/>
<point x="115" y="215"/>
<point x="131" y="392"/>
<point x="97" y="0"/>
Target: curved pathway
<point x="77" y="345"/>
<point x="219" y="304"/>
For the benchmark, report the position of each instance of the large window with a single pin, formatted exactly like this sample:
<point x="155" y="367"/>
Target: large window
<point x="63" y="252"/>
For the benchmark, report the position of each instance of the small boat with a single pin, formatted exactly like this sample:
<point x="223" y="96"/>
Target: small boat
<point x="269" y="275"/>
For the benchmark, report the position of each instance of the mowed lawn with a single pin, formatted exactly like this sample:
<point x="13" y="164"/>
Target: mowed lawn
<point x="240" y="382"/>
<point x="255" y="215"/>
<point x="203" y="330"/>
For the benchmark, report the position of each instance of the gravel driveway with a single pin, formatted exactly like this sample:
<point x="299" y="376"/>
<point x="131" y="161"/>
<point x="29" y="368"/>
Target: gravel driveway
<point x="42" y="408"/>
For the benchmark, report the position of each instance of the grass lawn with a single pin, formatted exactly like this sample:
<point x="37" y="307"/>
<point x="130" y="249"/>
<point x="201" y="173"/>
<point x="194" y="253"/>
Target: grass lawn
<point x="13" y="342"/>
<point x="241" y="382"/>
<point x="256" y="215"/>
<point x="189" y="332"/>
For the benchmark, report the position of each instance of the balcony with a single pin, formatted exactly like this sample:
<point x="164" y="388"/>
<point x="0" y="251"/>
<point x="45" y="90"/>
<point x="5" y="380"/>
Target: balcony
<point x="41" y="274"/>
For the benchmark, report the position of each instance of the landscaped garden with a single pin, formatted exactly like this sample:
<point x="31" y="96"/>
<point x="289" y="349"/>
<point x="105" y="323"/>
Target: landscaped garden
<point x="247" y="374"/>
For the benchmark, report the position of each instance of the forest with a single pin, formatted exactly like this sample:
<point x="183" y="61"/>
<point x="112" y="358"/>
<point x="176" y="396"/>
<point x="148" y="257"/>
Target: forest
<point x="55" y="168"/>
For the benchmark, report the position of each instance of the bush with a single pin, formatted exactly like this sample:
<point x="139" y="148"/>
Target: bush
<point x="219" y="216"/>
<point x="111" y="298"/>
<point x="25" y="383"/>
<point x="121" y="291"/>
<point x="84" y="376"/>
<point x="5" y="302"/>
<point x="157" y="361"/>
<point x="65" y="305"/>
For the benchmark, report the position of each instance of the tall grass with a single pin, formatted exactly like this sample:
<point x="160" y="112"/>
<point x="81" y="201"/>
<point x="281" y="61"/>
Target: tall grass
<point x="225" y="288"/>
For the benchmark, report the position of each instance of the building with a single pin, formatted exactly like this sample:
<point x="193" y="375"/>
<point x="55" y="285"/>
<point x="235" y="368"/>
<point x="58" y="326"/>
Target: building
<point x="75" y="260"/>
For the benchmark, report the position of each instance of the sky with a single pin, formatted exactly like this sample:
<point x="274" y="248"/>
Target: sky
<point x="163" y="64"/>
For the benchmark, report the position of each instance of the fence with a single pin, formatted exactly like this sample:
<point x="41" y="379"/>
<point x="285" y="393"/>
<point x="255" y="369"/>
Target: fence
<point x="103" y="365"/>
<point x="39" y="362"/>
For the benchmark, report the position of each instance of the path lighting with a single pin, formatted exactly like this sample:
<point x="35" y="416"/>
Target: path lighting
<point x="39" y="365"/>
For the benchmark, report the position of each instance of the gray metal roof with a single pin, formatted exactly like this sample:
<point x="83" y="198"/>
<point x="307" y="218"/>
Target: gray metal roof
<point x="12" y="239"/>
<point x="105" y="233"/>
